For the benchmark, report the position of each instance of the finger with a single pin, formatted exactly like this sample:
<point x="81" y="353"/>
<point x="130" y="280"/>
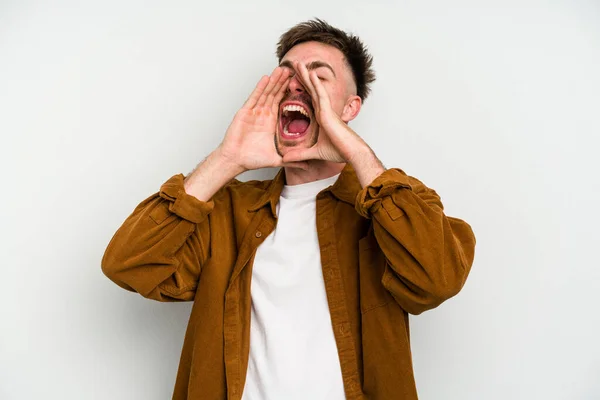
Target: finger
<point x="301" y="165"/>
<point x="301" y="155"/>
<point x="277" y="88"/>
<point x="319" y="89"/>
<point x="258" y="90"/>
<point x="272" y="82"/>
<point x="305" y="79"/>
<point x="280" y="94"/>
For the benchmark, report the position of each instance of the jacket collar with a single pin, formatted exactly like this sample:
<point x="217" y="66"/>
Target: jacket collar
<point x="345" y="189"/>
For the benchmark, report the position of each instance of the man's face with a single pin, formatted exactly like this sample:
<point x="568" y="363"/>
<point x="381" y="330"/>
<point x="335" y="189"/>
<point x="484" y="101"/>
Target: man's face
<point x="297" y="125"/>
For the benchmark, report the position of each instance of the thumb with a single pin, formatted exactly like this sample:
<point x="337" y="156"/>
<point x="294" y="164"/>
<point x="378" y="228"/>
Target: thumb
<point x="300" y="165"/>
<point x="301" y="155"/>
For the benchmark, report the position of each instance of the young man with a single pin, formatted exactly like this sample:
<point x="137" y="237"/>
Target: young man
<point x="302" y="285"/>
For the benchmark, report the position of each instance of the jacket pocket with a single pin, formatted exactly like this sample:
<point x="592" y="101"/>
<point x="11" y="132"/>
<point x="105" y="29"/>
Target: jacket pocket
<point x="160" y="212"/>
<point x="371" y="268"/>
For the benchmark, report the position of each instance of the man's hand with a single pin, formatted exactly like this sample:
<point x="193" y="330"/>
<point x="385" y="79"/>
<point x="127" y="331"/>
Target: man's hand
<point x="249" y="142"/>
<point x="250" y="139"/>
<point x="337" y="141"/>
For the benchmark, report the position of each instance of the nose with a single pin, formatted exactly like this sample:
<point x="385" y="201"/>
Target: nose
<point x="295" y="86"/>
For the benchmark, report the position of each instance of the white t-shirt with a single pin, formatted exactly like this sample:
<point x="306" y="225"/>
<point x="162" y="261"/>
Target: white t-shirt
<point x="293" y="354"/>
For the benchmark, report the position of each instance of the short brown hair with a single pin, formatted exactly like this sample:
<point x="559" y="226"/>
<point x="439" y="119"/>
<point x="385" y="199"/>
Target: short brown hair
<point x="354" y="50"/>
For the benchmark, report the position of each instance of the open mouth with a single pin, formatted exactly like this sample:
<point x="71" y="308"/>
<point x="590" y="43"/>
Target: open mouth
<point x="294" y="120"/>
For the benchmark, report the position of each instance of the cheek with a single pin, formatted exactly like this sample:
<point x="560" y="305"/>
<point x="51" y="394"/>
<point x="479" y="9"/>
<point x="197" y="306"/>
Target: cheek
<point x="337" y="99"/>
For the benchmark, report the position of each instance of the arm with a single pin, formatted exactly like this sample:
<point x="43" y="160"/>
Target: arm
<point x="429" y="255"/>
<point x="158" y="250"/>
<point x="161" y="247"/>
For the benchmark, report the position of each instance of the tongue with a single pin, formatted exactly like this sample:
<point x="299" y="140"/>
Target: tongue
<point x="298" y="126"/>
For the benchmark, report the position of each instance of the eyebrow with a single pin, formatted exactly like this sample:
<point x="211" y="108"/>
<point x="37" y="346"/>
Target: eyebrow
<point x="310" y="66"/>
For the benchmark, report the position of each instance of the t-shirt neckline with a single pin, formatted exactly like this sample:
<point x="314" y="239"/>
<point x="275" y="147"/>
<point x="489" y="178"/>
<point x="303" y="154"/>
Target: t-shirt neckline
<point x="309" y="189"/>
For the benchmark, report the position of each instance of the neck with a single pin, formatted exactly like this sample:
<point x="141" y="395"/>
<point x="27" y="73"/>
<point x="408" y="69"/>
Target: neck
<point x="317" y="170"/>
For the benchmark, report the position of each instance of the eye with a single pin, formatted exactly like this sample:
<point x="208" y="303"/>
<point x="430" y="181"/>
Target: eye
<point x="321" y="76"/>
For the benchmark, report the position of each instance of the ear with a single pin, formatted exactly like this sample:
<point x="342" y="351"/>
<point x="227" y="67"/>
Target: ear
<point x="351" y="109"/>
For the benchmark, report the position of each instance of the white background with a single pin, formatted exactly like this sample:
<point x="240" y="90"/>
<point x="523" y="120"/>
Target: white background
<point x="495" y="105"/>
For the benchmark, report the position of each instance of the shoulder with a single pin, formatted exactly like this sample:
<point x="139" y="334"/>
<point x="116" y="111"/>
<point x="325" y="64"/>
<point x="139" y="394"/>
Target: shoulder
<point x="246" y="187"/>
<point x="242" y="192"/>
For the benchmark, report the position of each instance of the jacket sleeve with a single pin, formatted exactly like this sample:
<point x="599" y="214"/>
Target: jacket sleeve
<point x="429" y="254"/>
<point x="160" y="248"/>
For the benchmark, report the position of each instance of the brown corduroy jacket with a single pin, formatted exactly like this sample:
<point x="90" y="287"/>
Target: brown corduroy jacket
<point x="387" y="250"/>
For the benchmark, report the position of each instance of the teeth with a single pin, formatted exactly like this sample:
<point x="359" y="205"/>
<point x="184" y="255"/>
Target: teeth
<point x="293" y="107"/>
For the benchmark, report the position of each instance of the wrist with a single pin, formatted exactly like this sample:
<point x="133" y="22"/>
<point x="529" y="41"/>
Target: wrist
<point x="226" y="163"/>
<point x="210" y="175"/>
<point x="367" y="166"/>
<point x="362" y="154"/>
